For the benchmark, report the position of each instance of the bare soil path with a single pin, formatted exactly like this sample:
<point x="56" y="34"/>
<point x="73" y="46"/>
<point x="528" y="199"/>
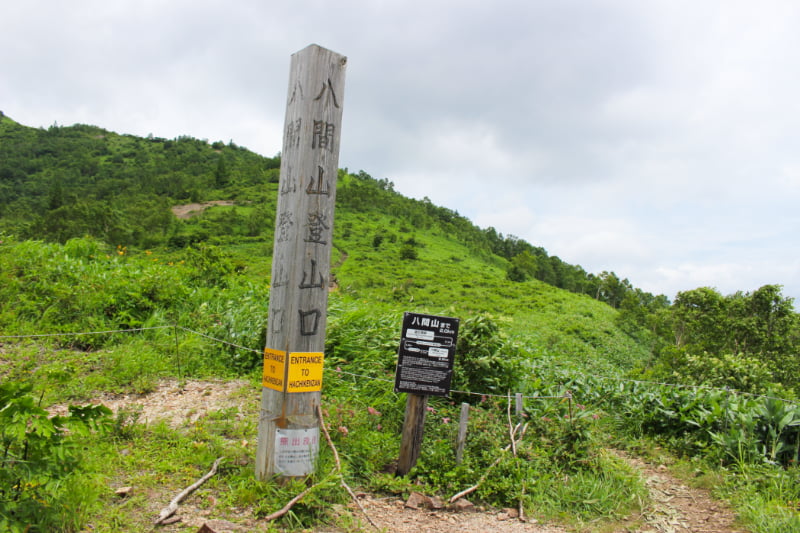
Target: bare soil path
<point x="189" y="210"/>
<point x="677" y="508"/>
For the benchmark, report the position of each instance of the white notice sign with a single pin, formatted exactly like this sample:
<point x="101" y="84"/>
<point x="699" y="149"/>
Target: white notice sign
<point x="295" y="451"/>
<point x="423" y="334"/>
<point x="438" y="352"/>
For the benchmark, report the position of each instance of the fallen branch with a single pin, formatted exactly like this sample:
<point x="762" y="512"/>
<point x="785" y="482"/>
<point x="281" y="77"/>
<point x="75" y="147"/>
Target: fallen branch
<point x="488" y="471"/>
<point x="481" y="480"/>
<point x="170" y="509"/>
<point x="339" y="468"/>
<point x="288" y="506"/>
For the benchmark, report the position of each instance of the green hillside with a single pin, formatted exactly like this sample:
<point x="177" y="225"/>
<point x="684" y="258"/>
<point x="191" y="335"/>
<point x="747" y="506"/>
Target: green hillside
<point x="70" y="182"/>
<point x="104" y="291"/>
<point x="67" y="182"/>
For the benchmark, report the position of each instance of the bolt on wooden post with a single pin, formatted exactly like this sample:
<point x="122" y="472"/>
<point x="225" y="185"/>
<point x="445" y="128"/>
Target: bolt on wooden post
<point x="288" y="425"/>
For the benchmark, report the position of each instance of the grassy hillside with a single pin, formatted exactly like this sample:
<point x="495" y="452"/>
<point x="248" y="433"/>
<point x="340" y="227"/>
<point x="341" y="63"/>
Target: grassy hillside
<point x="70" y="182"/>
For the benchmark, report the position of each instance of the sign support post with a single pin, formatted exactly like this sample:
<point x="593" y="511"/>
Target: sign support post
<point x="288" y="425"/>
<point x="413" y="430"/>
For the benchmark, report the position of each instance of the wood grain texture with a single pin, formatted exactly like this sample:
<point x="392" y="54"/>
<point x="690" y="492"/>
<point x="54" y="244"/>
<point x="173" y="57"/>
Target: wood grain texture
<point x="303" y="236"/>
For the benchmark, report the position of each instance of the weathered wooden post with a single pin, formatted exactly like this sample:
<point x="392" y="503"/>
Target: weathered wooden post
<point x="462" y="432"/>
<point x="288" y="425"/>
<point x="412" y="432"/>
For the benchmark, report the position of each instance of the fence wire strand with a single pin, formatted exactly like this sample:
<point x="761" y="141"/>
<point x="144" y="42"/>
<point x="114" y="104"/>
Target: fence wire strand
<point x="75" y="334"/>
<point x="221" y="341"/>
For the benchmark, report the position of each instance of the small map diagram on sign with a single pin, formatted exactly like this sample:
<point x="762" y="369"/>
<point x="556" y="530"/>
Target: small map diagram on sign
<point x="426" y="342"/>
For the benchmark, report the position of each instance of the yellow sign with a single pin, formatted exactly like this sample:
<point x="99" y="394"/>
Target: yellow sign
<point x="274" y="369"/>
<point x="305" y="372"/>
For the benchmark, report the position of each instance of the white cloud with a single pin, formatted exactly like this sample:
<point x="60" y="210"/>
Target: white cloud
<point x="655" y="139"/>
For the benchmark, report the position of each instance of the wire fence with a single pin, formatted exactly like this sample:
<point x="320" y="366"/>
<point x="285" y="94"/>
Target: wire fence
<point x="578" y="395"/>
<point x="565" y="395"/>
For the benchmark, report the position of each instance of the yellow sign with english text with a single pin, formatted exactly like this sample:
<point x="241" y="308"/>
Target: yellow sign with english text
<point x="274" y="370"/>
<point x="305" y="372"/>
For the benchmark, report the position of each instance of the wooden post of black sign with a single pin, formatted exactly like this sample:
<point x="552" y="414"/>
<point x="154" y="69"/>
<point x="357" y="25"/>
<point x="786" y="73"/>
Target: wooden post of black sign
<point x="413" y="429"/>
<point x="288" y="425"/>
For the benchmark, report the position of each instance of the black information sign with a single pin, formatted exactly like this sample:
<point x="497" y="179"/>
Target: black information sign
<point x="426" y="354"/>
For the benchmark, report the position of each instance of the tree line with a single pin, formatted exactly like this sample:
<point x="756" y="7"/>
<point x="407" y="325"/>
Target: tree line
<point x="748" y="341"/>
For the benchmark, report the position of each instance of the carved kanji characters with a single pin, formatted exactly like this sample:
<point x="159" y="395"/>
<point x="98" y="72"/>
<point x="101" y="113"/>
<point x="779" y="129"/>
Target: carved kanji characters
<point x="320" y="187"/>
<point x="328" y="92"/>
<point x="316" y="226"/>
<point x="312" y="283"/>
<point x="285" y="224"/>
<point x="323" y="135"/>
<point x="292" y="139"/>
<point x="309" y="322"/>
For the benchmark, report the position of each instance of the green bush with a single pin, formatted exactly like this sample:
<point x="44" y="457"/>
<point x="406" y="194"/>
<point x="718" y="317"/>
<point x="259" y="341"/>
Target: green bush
<point x="41" y="483"/>
<point x="486" y="361"/>
<point x="211" y="265"/>
<point x="408" y="252"/>
<point x="740" y="372"/>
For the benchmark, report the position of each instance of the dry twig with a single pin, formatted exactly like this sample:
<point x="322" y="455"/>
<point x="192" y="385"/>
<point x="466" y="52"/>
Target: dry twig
<point x="339" y="468"/>
<point x="288" y="506"/>
<point x="169" y="510"/>
<point x="481" y="480"/>
<point x="511" y="429"/>
<point x="488" y="470"/>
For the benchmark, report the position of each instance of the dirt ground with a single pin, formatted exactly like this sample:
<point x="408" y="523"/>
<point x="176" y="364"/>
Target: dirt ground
<point x="674" y="506"/>
<point x="189" y="210"/>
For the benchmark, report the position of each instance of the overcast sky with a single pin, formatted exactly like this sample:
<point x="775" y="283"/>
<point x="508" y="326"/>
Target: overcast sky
<point x="656" y="139"/>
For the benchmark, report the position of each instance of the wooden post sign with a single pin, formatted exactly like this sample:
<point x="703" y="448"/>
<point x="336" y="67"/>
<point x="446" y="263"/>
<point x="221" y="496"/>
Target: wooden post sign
<point x="424" y="367"/>
<point x="288" y="425"/>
